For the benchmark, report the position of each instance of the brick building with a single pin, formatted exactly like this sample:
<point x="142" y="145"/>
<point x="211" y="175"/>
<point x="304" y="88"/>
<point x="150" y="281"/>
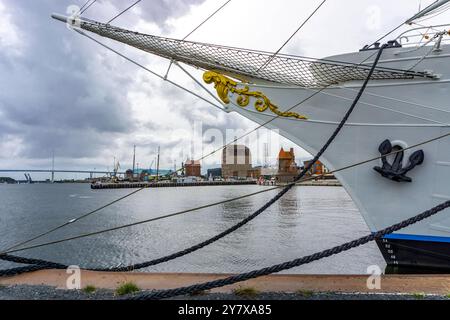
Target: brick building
<point x="192" y="169"/>
<point x="287" y="168"/>
<point x="317" y="169"/>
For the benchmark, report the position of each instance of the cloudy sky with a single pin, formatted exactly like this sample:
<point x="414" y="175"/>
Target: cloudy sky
<point x="62" y="92"/>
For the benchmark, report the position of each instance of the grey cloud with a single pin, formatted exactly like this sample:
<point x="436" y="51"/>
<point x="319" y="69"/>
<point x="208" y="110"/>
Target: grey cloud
<point x="50" y="96"/>
<point x="65" y="93"/>
<point x="156" y="11"/>
<point x="159" y="11"/>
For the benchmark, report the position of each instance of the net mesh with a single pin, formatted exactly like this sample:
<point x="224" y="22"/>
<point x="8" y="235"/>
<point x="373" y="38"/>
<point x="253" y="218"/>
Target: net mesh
<point x="299" y="71"/>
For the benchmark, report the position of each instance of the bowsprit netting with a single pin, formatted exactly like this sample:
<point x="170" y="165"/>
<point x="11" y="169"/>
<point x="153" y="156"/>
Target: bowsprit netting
<point x="290" y="70"/>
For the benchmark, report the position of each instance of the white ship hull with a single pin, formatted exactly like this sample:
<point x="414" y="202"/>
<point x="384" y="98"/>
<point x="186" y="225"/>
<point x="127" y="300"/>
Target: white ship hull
<point x="407" y="112"/>
<point x="404" y="105"/>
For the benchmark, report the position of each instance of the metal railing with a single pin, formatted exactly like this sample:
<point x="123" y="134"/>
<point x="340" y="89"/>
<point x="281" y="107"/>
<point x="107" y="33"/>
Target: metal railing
<point x="422" y="35"/>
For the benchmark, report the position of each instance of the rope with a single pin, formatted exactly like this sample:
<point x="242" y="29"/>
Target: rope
<point x="290" y="109"/>
<point x="287" y="188"/>
<point x="121" y="13"/>
<point x="437" y="35"/>
<point x="165" y="294"/>
<point x="280" y="195"/>
<point x="52" y="265"/>
<point x="207" y="19"/>
<point x="440" y="11"/>
<point x="189" y="34"/>
<point x="396" y="28"/>
<point x="29" y="261"/>
<point x="292" y="36"/>
<point x="136" y="223"/>
<point x="37" y="262"/>
<point x="258" y="127"/>
<point x="147" y="69"/>
<point x="196" y="95"/>
<point x="204" y="157"/>
<point x="72" y="221"/>
<point x="84" y="6"/>
<point x="87" y="8"/>
<point x="19" y="271"/>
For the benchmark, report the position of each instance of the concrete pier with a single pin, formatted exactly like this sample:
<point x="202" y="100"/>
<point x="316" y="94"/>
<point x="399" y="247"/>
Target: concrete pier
<point x="390" y="284"/>
<point x="138" y="185"/>
<point x="320" y="183"/>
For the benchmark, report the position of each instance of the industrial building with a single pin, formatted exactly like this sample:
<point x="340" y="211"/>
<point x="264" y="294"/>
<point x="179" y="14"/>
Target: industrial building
<point x="214" y="173"/>
<point x="192" y="168"/>
<point x="236" y="162"/>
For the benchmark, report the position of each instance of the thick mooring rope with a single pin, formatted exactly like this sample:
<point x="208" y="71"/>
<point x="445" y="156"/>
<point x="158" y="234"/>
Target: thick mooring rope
<point x="246" y="220"/>
<point x="210" y="205"/>
<point x="165" y="294"/>
<point x="18" y="271"/>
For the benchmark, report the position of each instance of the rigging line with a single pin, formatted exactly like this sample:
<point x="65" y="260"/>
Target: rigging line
<point x="139" y="222"/>
<point x="424" y="26"/>
<point x="147" y="69"/>
<point x="415" y="49"/>
<point x="396" y="28"/>
<point x="230" y="200"/>
<point x="51" y="231"/>
<point x="269" y="121"/>
<point x="197" y="82"/>
<point x="285" y="189"/>
<point x="204" y="157"/>
<point x="387" y="34"/>
<point x="87" y="8"/>
<point x="295" y="57"/>
<point x="124" y="11"/>
<point x="399" y="100"/>
<point x="84" y="5"/>
<point x="427" y="54"/>
<point x="169" y="293"/>
<point x="195" y="29"/>
<point x="292" y="36"/>
<point x="73" y="220"/>
<point x="259" y="126"/>
<point x="389" y="109"/>
<point x="393" y="30"/>
<point x="206" y="20"/>
<point x="264" y="124"/>
<point x="391" y="154"/>
<point x="434" y="15"/>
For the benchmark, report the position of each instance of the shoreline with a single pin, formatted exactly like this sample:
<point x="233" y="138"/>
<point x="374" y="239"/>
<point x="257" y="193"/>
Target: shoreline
<point x="314" y="287"/>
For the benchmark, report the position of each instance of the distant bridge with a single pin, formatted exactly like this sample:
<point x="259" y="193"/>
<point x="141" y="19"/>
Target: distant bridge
<point x="59" y="171"/>
<point x="152" y="172"/>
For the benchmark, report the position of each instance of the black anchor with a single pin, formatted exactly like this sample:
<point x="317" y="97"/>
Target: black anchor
<point x="395" y="171"/>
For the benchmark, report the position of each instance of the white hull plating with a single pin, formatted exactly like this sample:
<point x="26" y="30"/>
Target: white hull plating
<point x="407" y="112"/>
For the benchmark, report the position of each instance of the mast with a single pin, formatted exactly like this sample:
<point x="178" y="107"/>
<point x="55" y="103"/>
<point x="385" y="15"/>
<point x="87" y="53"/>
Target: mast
<point x="427" y="10"/>
<point x="53" y="166"/>
<point x="116" y="166"/>
<point x="157" y="165"/>
<point x="134" y="160"/>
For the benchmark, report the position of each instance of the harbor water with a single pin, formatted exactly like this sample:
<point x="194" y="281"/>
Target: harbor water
<point x="306" y="220"/>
